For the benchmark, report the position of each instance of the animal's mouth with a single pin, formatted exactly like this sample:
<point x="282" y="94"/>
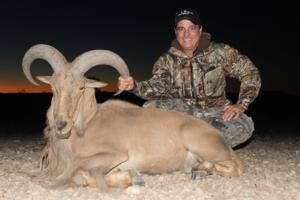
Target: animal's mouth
<point x="63" y="135"/>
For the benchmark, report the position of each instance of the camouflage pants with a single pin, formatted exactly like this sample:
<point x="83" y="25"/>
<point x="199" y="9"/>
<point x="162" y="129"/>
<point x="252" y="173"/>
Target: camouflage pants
<point x="235" y="131"/>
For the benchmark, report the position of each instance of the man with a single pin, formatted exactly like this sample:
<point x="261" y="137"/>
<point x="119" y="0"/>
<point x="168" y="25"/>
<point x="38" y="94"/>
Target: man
<point x="190" y="78"/>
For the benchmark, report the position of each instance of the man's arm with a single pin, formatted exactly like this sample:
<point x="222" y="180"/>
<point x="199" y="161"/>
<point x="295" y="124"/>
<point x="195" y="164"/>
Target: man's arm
<point x="241" y="67"/>
<point x="157" y="85"/>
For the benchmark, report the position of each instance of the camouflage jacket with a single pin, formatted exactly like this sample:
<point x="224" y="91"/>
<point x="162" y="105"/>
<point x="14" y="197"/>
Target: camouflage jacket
<point x="200" y="80"/>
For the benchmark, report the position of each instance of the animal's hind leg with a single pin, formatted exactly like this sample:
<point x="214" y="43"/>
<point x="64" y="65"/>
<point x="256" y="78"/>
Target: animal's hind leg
<point x="230" y="167"/>
<point x="210" y="149"/>
<point x="202" y="170"/>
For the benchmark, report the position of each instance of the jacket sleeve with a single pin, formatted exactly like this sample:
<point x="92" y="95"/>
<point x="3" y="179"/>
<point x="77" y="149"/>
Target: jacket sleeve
<point x="241" y="67"/>
<point x="158" y="84"/>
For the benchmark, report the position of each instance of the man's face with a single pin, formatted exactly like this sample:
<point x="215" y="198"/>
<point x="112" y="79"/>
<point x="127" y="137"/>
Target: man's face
<point x="188" y="35"/>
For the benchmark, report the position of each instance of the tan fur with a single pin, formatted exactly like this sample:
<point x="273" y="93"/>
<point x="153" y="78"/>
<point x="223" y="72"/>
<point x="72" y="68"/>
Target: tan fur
<point x="147" y="140"/>
<point x="106" y="141"/>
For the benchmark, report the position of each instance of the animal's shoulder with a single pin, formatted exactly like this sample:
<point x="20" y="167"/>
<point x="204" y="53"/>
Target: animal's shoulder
<point x="118" y="104"/>
<point x="114" y="109"/>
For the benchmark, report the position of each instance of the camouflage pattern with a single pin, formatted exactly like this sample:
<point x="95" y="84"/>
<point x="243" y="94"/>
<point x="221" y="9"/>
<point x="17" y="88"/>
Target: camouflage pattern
<point x="200" y="80"/>
<point x="235" y="131"/>
<point x="196" y="85"/>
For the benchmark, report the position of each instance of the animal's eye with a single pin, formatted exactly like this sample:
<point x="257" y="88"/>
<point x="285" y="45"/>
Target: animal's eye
<point x="81" y="88"/>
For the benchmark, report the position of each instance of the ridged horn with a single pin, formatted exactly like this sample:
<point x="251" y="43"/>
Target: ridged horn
<point x="45" y="52"/>
<point x="89" y="59"/>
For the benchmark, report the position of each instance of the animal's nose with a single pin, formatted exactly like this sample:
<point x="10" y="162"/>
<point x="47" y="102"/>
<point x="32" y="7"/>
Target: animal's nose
<point x="60" y="125"/>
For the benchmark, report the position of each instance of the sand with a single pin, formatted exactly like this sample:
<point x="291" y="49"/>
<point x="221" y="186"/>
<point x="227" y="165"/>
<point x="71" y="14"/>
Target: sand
<point x="273" y="172"/>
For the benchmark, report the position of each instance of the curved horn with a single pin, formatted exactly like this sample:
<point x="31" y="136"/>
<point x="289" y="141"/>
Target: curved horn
<point x="46" y="52"/>
<point x="89" y="59"/>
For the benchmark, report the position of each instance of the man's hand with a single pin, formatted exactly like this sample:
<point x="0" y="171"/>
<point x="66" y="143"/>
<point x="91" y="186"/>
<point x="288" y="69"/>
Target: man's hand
<point x="232" y="111"/>
<point x="125" y="84"/>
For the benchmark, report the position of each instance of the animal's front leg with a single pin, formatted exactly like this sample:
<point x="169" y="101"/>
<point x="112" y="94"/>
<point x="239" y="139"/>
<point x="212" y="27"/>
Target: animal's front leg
<point x="123" y="179"/>
<point x="115" y="179"/>
<point x="83" y="178"/>
<point x="64" y="177"/>
<point x="101" y="164"/>
<point x="98" y="176"/>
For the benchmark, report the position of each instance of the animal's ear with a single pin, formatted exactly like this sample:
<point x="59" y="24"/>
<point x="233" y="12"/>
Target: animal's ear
<point x="94" y="84"/>
<point x="50" y="115"/>
<point x="85" y="111"/>
<point x="80" y="126"/>
<point x="44" y="79"/>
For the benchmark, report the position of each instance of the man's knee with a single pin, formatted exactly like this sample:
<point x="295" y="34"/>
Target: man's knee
<point x="236" y="131"/>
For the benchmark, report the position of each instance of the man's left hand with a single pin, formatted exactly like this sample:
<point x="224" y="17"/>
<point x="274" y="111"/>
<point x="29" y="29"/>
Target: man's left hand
<point x="232" y="111"/>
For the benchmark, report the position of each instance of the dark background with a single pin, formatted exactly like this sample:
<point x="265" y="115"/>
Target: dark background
<point x="274" y="113"/>
<point x="140" y="32"/>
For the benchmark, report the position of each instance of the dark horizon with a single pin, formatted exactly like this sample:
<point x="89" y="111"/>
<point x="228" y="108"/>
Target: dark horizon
<point x="26" y="113"/>
<point x="141" y="32"/>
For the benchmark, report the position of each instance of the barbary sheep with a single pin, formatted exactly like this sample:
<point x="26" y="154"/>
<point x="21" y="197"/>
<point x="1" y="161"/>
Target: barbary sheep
<point x="110" y="144"/>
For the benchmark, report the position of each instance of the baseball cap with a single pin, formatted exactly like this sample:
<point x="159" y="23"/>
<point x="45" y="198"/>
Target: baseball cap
<point x="189" y="14"/>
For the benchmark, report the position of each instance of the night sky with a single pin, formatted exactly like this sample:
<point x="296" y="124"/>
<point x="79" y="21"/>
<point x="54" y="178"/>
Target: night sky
<point x="141" y="32"/>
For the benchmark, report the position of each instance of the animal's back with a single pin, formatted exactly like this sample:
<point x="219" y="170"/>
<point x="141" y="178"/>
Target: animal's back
<point x="116" y="113"/>
<point x="149" y="135"/>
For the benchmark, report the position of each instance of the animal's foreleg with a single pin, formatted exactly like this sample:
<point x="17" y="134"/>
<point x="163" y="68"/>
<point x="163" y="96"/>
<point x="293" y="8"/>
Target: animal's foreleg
<point x="98" y="177"/>
<point x="64" y="177"/>
<point x="101" y="164"/>
<point x="84" y="178"/>
<point x="123" y="179"/>
<point x="117" y="178"/>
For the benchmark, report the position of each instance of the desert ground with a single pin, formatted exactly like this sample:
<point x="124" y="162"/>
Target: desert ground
<point x="273" y="172"/>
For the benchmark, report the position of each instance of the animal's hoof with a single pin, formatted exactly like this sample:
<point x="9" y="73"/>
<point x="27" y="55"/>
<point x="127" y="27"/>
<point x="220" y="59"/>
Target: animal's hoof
<point x="79" y="180"/>
<point x="137" y="178"/>
<point x="197" y="175"/>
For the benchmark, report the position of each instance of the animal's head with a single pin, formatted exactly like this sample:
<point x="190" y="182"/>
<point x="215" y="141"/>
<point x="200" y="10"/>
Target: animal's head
<point x="73" y="102"/>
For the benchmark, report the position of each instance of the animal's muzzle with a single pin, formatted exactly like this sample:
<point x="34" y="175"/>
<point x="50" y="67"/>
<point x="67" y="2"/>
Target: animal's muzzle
<point x="63" y="129"/>
<point x="60" y="125"/>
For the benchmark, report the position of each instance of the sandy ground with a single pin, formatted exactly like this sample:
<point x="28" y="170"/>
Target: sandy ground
<point x="273" y="172"/>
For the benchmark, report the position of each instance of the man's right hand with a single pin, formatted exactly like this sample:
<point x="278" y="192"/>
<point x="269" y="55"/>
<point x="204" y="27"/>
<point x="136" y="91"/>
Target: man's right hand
<point x="125" y="84"/>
